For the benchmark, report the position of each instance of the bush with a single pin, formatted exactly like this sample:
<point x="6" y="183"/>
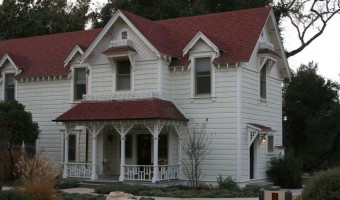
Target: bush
<point x="38" y="177"/>
<point x="131" y="189"/>
<point x="226" y="183"/>
<point x="324" y="185"/>
<point x="14" y="195"/>
<point x="75" y="196"/>
<point x="66" y="183"/>
<point x="285" y="172"/>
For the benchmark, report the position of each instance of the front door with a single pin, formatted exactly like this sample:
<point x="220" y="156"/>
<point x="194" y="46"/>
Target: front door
<point x="144" y="149"/>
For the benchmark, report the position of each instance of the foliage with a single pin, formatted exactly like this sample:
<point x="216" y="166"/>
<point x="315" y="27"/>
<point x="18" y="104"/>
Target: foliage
<point x="38" y="177"/>
<point x="285" y="172"/>
<point x="195" y="149"/>
<point x="311" y="113"/>
<point x="164" y="9"/>
<point x="324" y="185"/>
<point x="26" y="18"/>
<point x="15" y="195"/>
<point x="66" y="183"/>
<point x="178" y="192"/>
<point x="309" y="18"/>
<point x="226" y="183"/>
<point x="75" y="196"/>
<point x="16" y="126"/>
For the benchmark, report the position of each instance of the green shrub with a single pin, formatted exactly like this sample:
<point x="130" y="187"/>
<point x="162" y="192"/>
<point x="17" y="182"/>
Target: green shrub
<point x="324" y="185"/>
<point x="131" y="189"/>
<point x="66" y="183"/>
<point x="14" y="195"/>
<point x="226" y="183"/>
<point x="75" y="196"/>
<point x="285" y="172"/>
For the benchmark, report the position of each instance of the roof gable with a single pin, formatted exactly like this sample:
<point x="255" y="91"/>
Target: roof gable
<point x="76" y="50"/>
<point x="195" y="39"/>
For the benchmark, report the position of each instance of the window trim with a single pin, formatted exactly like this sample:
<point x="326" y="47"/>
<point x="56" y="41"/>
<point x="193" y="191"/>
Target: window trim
<point x="5" y="85"/>
<point x="212" y="94"/>
<point x="267" y="144"/>
<point x="73" y="89"/>
<point x="195" y="78"/>
<point x="121" y="34"/>
<point x="116" y="77"/>
<point x="264" y="67"/>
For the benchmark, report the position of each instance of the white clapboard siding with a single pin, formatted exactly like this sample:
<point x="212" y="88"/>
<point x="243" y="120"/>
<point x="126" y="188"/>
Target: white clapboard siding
<point x="146" y="75"/>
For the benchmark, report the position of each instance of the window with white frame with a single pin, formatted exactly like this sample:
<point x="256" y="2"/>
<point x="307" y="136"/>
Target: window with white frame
<point x="79" y="83"/>
<point x="123" y="75"/>
<point x="72" y="147"/>
<point x="124" y="35"/>
<point x="270" y="144"/>
<point x="202" y="75"/>
<point x="9" y="87"/>
<point x="163" y="147"/>
<point x="263" y="82"/>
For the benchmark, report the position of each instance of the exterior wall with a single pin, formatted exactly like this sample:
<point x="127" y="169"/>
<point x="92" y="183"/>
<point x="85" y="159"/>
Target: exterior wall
<point x="46" y="100"/>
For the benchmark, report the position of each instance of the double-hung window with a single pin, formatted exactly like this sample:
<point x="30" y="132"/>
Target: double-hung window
<point x="202" y="76"/>
<point x="79" y="83"/>
<point x="123" y="75"/>
<point x="270" y="144"/>
<point x="263" y="82"/>
<point x="9" y="87"/>
<point x="72" y="148"/>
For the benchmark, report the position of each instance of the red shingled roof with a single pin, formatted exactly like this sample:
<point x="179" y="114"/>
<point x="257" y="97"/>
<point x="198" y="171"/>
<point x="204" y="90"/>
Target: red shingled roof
<point x="45" y="55"/>
<point x="122" y="110"/>
<point x="234" y="33"/>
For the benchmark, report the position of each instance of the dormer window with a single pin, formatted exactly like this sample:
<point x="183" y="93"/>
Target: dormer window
<point x="9" y="87"/>
<point x="123" y="75"/>
<point x="263" y="82"/>
<point x="202" y="76"/>
<point x="79" y="83"/>
<point x="124" y="35"/>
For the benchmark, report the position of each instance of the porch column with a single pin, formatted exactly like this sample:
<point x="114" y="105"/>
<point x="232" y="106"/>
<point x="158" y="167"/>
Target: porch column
<point x="94" y="130"/>
<point x="155" y="177"/>
<point x="180" y="141"/>
<point x="94" y="161"/>
<point x="65" y="174"/>
<point x="122" y="157"/>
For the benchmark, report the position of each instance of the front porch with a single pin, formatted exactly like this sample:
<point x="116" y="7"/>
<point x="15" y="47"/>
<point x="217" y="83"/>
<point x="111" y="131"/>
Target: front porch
<point x="142" y="146"/>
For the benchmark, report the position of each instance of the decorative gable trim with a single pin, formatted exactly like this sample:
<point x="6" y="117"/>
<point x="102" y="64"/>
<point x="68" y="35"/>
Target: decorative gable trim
<point x="104" y="31"/>
<point x="195" y="39"/>
<point x="5" y="58"/>
<point x="76" y="49"/>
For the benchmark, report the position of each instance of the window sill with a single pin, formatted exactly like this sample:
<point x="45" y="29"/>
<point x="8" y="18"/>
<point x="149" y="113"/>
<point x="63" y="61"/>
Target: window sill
<point x="203" y="97"/>
<point x="263" y="100"/>
<point x="270" y="153"/>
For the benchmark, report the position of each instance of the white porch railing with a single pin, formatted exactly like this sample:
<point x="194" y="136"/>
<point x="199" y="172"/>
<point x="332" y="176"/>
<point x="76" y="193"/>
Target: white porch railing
<point x="79" y="170"/>
<point x="168" y="172"/>
<point x="145" y="172"/>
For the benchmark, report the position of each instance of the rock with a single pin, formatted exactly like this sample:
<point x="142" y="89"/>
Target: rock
<point x="120" y="196"/>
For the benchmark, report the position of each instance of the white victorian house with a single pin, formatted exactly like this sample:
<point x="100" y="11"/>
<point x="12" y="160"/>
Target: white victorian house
<point x="116" y="102"/>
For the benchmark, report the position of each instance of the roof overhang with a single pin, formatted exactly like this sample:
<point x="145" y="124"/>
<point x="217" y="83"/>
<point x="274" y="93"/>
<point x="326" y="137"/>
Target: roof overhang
<point x="199" y="35"/>
<point x="141" y="109"/>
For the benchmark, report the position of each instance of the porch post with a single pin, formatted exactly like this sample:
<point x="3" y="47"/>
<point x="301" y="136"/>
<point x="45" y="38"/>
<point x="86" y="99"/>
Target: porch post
<point x="65" y="174"/>
<point x="180" y="155"/>
<point x="94" y="161"/>
<point x="122" y="157"/>
<point x="155" y="177"/>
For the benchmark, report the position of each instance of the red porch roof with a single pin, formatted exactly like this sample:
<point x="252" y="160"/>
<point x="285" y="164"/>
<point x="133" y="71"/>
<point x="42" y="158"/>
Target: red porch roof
<point x="122" y="110"/>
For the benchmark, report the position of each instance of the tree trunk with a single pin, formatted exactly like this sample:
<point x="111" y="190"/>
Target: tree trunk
<point x="11" y="166"/>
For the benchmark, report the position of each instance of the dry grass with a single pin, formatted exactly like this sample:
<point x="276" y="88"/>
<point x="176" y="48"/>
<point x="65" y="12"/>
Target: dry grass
<point x="38" y="175"/>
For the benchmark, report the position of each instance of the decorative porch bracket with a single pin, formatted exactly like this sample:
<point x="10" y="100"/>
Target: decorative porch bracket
<point x="155" y="129"/>
<point x="94" y="131"/>
<point x="68" y="130"/>
<point x="122" y="129"/>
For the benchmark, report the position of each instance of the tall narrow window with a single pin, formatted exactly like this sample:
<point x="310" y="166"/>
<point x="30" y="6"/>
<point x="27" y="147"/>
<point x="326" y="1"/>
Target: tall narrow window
<point x="124" y="35"/>
<point x="123" y="75"/>
<point x="263" y="82"/>
<point x="128" y="146"/>
<point x="9" y="87"/>
<point x="202" y="76"/>
<point x="79" y="83"/>
<point x="72" y="148"/>
<point x="270" y="144"/>
<point x="163" y="147"/>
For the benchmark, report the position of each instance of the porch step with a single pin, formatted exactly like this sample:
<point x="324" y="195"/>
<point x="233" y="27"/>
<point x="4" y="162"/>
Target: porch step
<point x="259" y="185"/>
